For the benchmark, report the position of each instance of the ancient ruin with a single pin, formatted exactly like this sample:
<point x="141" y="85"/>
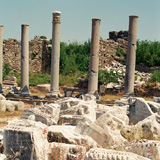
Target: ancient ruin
<point x="131" y="56"/>
<point x="25" y="60"/>
<point x="80" y="126"/>
<point x="54" y="91"/>
<point x="94" y="57"/>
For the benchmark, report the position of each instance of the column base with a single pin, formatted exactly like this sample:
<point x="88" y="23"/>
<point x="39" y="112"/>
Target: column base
<point x="94" y="94"/>
<point x="1" y="91"/>
<point x="53" y="95"/>
<point x="126" y="95"/>
<point x="25" y="93"/>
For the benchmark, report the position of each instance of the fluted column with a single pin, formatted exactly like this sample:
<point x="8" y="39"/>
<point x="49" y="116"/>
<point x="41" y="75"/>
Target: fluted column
<point x="94" y="57"/>
<point x="25" y="59"/>
<point x="131" y="56"/>
<point x="1" y="58"/>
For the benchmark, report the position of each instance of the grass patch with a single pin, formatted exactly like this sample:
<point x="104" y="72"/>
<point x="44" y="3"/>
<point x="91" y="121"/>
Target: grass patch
<point x="10" y="114"/>
<point x="39" y="78"/>
<point x="70" y="80"/>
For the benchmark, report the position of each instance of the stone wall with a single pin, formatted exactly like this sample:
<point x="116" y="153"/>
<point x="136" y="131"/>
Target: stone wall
<point x="40" y="57"/>
<point x="38" y="50"/>
<point x="117" y="41"/>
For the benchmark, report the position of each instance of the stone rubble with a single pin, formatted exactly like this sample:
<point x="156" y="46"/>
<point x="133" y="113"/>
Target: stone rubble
<point x="106" y="154"/>
<point x="66" y="134"/>
<point x="88" y="126"/>
<point x="25" y="139"/>
<point x="66" y="151"/>
<point x="47" y="113"/>
<point x="7" y="105"/>
<point x="74" y="110"/>
<point x="146" y="148"/>
<point x="10" y="81"/>
<point x="141" y="78"/>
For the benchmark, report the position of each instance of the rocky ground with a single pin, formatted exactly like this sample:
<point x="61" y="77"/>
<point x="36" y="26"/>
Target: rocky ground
<point x="81" y="128"/>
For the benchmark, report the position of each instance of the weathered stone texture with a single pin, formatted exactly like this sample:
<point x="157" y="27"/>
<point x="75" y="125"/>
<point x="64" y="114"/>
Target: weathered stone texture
<point x="108" y="49"/>
<point x="12" y="53"/>
<point x="40" y="58"/>
<point x="37" y="49"/>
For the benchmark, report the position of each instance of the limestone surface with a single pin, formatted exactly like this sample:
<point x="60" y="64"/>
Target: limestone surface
<point x="47" y="114"/>
<point x="66" y="134"/>
<point x="25" y="139"/>
<point x="7" y="105"/>
<point x="105" y="154"/>
<point x="146" y="148"/>
<point x="105" y="130"/>
<point x="74" y="110"/>
<point x="66" y="151"/>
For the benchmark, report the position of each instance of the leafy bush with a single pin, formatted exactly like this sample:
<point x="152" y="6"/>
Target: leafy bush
<point x="155" y="77"/>
<point x="120" y="52"/>
<point x="74" y="57"/>
<point x="105" y="76"/>
<point x="148" y="53"/>
<point x="6" y="70"/>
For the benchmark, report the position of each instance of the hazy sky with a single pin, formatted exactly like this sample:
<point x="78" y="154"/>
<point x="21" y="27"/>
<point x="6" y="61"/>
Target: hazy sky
<point x="76" y="17"/>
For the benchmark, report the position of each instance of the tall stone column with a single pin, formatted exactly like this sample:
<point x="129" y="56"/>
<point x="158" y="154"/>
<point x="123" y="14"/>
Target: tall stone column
<point x="25" y="59"/>
<point x="131" y="57"/>
<point x="55" y="57"/>
<point x="1" y="58"/>
<point x="94" y="57"/>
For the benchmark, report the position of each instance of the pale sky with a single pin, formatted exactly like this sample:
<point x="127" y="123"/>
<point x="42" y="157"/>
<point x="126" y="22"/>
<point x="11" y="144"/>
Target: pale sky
<point x="76" y="17"/>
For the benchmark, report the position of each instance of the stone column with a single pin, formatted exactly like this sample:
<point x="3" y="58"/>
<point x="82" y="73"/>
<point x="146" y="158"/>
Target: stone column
<point x="94" y="57"/>
<point x="55" y="57"/>
<point x="131" y="57"/>
<point x="1" y="58"/>
<point x="25" y="59"/>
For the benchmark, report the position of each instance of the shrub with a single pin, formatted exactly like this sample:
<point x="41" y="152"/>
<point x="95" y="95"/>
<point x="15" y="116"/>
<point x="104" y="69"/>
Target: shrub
<point x="74" y="57"/>
<point x="120" y="52"/>
<point x="148" y="53"/>
<point x="155" y="77"/>
<point x="6" y="70"/>
<point x="105" y="76"/>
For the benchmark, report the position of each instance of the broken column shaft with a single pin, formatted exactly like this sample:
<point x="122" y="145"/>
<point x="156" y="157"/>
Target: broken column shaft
<point x="55" y="57"/>
<point x="94" y="57"/>
<point x="25" y="59"/>
<point x="131" y="56"/>
<point x="1" y="58"/>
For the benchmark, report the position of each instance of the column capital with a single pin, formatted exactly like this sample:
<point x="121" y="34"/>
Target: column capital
<point x="96" y="19"/>
<point x="25" y="25"/>
<point x="133" y="16"/>
<point x="56" y="16"/>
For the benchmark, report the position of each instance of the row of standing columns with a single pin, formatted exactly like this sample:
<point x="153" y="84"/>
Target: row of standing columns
<point x="55" y="56"/>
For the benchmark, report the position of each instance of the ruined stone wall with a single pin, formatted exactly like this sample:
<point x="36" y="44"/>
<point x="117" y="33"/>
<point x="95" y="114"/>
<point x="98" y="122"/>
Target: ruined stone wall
<point x="40" y="57"/>
<point x="38" y="50"/>
<point x="117" y="41"/>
